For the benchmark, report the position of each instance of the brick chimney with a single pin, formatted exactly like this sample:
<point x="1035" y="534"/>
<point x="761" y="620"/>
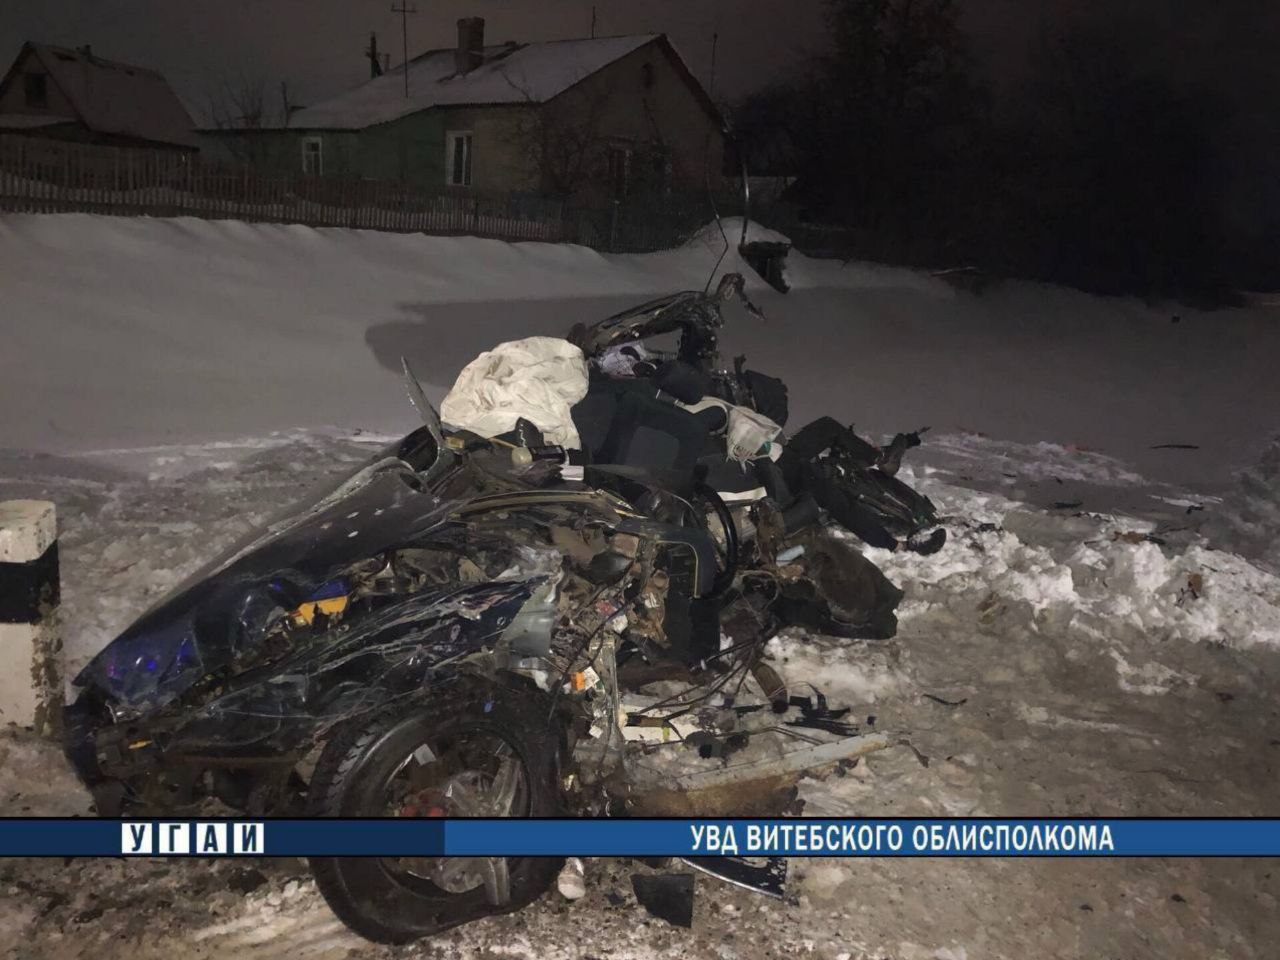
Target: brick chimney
<point x="470" y="52"/>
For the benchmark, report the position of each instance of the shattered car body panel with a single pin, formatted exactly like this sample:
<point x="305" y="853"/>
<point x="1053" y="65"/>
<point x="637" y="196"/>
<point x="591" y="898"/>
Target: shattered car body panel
<point x="222" y="615"/>
<point x="456" y="591"/>
<point x="392" y="586"/>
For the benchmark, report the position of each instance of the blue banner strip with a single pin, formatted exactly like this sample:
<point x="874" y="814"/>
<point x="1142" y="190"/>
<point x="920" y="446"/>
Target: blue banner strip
<point x="76" y="837"/>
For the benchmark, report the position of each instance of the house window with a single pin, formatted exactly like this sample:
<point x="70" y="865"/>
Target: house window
<point x="457" y="160"/>
<point x="37" y="89"/>
<point x="312" y="156"/>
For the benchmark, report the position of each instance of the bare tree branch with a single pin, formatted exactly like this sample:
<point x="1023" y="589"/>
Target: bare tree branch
<point x="241" y="105"/>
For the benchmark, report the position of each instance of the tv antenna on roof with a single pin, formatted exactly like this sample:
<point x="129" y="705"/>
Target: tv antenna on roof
<point x="404" y="10"/>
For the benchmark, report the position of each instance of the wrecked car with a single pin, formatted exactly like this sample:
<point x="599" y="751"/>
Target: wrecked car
<point x="490" y="626"/>
<point x="823" y="468"/>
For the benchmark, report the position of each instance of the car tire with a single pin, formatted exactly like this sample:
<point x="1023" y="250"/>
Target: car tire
<point x="372" y="896"/>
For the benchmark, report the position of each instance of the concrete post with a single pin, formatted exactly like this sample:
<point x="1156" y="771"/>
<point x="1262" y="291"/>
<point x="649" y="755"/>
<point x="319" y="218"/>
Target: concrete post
<point x="31" y="692"/>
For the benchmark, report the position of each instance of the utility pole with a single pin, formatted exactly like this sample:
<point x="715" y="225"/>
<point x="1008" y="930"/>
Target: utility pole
<point x="593" y="21"/>
<point x="404" y="10"/>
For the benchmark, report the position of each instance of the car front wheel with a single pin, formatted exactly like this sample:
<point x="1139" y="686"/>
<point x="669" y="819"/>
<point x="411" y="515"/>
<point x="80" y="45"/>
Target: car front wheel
<point x="480" y="752"/>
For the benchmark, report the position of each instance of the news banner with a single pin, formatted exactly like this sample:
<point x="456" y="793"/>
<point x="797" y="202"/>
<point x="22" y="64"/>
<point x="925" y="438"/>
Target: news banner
<point x="942" y="837"/>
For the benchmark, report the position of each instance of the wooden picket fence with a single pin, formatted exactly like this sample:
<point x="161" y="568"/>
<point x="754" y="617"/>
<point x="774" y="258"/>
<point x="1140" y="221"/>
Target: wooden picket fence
<point x="50" y="176"/>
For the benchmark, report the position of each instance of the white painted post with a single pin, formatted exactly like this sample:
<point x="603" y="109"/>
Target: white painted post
<point x="30" y="643"/>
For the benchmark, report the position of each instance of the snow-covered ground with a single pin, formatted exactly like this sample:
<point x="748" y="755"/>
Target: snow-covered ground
<point x="1045" y="665"/>
<point x="1101" y="634"/>
<point x="132" y="331"/>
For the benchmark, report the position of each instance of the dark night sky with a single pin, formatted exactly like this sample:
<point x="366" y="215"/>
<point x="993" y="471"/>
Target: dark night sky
<point x="1231" y="46"/>
<point x="316" y="44"/>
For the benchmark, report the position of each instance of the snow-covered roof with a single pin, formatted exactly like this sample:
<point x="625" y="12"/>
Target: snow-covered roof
<point x="116" y="98"/>
<point x="510" y="73"/>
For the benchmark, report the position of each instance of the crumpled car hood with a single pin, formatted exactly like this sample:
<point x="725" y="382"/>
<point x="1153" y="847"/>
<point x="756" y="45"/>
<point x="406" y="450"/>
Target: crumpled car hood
<point x="227" y="606"/>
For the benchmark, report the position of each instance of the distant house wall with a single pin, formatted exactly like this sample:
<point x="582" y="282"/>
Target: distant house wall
<point x="280" y="153"/>
<point x="640" y="100"/>
<point x="637" y="103"/>
<point x="13" y="98"/>
<point x="643" y="99"/>
<point x="502" y="159"/>
<point x="340" y="152"/>
<point x="410" y="150"/>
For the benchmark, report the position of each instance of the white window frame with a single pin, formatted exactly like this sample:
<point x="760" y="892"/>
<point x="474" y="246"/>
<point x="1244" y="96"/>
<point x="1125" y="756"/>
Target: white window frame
<point x="451" y="139"/>
<point x="307" y="144"/>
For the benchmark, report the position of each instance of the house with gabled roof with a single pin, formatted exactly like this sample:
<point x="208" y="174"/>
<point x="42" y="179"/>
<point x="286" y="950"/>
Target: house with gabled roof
<point x="614" y="115"/>
<point x="65" y="94"/>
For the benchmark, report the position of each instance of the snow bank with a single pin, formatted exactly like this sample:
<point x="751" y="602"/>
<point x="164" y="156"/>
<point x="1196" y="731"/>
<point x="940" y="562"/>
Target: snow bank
<point x="807" y="273"/>
<point x="131" y="332"/>
<point x="1094" y="574"/>
<point x="1039" y="461"/>
<point x="1250" y="516"/>
<point x="143" y="330"/>
<point x="756" y="233"/>
<point x="125" y="330"/>
<point x="1018" y="582"/>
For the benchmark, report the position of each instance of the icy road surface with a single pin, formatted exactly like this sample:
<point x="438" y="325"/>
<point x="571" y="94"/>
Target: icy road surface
<point x="1048" y="663"/>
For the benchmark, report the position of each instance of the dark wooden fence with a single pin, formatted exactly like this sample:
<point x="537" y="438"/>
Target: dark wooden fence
<point x="50" y="176"/>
